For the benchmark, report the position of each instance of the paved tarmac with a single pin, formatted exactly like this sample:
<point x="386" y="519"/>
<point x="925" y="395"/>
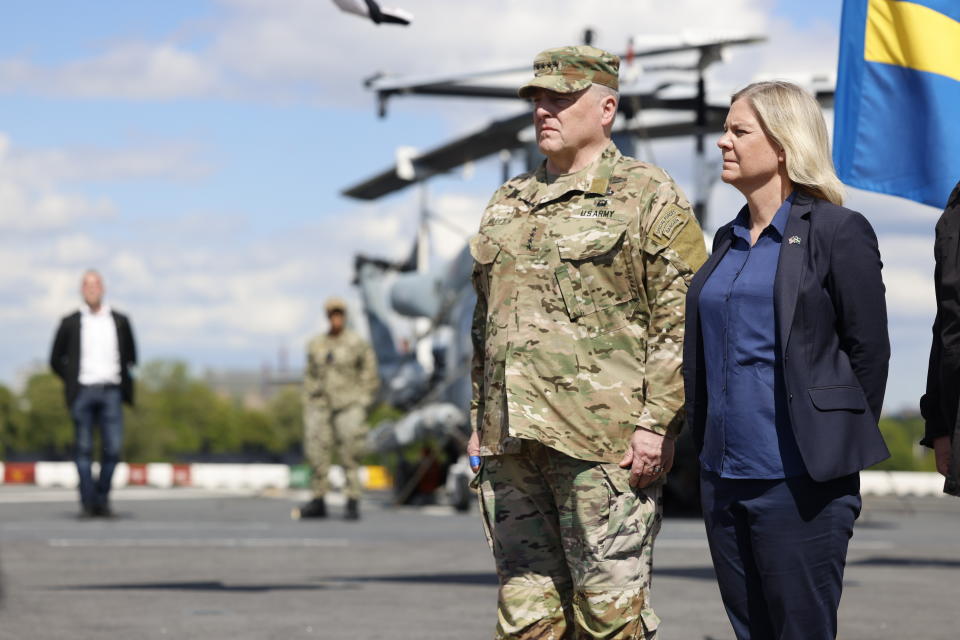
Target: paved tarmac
<point x="186" y="563"/>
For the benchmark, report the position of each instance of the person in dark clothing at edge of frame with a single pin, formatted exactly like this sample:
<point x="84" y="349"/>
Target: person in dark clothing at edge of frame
<point x="940" y="402"/>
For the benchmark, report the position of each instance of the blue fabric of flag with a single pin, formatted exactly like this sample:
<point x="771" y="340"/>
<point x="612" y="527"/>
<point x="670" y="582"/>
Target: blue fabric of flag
<point x="896" y="128"/>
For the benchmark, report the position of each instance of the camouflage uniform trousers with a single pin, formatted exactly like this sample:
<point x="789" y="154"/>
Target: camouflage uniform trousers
<point x="573" y="544"/>
<point x="326" y="428"/>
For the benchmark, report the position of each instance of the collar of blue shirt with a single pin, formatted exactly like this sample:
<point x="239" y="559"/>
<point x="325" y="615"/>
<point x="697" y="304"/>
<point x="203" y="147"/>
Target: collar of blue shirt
<point x="741" y="225"/>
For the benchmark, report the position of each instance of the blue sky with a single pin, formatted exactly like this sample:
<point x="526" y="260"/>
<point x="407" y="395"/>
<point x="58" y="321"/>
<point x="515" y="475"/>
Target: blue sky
<point x="194" y="151"/>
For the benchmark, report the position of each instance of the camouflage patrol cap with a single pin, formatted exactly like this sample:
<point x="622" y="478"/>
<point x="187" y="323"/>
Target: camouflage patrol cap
<point x="335" y="304"/>
<point x="572" y="69"/>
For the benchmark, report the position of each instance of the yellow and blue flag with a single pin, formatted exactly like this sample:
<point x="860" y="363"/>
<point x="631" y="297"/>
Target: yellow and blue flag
<point x="897" y="114"/>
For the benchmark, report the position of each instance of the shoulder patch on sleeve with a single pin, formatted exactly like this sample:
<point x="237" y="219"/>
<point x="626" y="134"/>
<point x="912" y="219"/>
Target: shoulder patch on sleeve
<point x="669" y="223"/>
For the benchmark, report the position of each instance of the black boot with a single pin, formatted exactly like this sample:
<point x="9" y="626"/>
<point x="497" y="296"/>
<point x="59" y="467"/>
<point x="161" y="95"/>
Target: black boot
<point x="353" y="510"/>
<point x="316" y="508"/>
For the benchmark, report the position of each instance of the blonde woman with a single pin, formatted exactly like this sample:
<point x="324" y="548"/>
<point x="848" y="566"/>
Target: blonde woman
<point x="785" y="367"/>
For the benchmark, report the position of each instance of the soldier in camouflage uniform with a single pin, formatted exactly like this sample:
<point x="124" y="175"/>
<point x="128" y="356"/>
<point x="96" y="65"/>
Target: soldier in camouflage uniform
<point x="581" y="270"/>
<point x="338" y="387"/>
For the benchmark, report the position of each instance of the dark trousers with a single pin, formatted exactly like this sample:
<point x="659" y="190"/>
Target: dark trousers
<point x="779" y="548"/>
<point x="99" y="405"/>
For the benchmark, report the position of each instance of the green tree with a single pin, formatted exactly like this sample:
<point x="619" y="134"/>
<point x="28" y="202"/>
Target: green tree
<point x="176" y="416"/>
<point x="10" y="420"/>
<point x="254" y="431"/>
<point x="902" y="435"/>
<point x="156" y="426"/>
<point x="285" y="413"/>
<point x="46" y="427"/>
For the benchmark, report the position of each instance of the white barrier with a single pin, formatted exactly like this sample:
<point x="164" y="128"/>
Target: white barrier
<point x="277" y="476"/>
<point x="901" y="483"/>
<point x="271" y="476"/>
<point x="56" y="474"/>
<point x="65" y="475"/>
<point x="338" y="478"/>
<point x="121" y="476"/>
<point x="239" y="476"/>
<point x="160" y="474"/>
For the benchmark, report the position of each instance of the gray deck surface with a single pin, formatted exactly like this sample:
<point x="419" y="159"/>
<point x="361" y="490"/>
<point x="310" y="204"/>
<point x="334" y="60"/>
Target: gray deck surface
<point x="197" y="564"/>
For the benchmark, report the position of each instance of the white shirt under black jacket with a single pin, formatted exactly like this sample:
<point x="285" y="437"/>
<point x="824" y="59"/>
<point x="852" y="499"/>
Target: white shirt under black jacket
<point x="99" y="349"/>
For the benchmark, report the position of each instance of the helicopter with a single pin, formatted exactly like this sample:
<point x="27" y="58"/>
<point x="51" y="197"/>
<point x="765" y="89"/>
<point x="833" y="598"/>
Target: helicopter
<point x="372" y="10"/>
<point x="657" y="100"/>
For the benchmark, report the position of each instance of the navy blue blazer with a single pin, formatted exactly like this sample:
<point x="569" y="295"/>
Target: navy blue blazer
<point x="831" y="319"/>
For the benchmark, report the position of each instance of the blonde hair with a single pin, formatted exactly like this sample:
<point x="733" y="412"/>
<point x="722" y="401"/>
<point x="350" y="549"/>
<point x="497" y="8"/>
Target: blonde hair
<point x="791" y="117"/>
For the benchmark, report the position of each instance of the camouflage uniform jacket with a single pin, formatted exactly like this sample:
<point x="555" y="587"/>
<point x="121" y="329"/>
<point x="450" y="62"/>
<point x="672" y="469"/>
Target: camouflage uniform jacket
<point x="581" y="287"/>
<point x="341" y="371"/>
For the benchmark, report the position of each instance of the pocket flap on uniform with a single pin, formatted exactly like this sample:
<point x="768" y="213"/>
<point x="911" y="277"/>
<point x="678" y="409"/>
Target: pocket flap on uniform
<point x="590" y="243"/>
<point x="650" y="621"/>
<point x="573" y="298"/>
<point x="838" y="398"/>
<point x="618" y="478"/>
<point x="483" y="249"/>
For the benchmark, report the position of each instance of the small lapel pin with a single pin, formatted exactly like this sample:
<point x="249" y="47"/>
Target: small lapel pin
<point x="794" y="240"/>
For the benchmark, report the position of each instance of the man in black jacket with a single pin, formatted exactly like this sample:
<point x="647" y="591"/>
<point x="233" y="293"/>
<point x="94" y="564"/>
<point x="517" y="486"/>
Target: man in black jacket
<point x="92" y="353"/>
<point x="940" y="403"/>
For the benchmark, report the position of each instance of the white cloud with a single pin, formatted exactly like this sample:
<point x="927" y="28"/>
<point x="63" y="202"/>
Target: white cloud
<point x="788" y="54"/>
<point x="313" y="43"/>
<point x="139" y="71"/>
<point x="23" y="209"/>
<point x="32" y="196"/>
<point x="43" y="168"/>
<point x="191" y="287"/>
<point x="308" y="49"/>
<point x="136" y="273"/>
<point x="908" y="275"/>
<point x="910" y="293"/>
<point x="77" y="248"/>
<point x="457" y="218"/>
<point x="895" y="214"/>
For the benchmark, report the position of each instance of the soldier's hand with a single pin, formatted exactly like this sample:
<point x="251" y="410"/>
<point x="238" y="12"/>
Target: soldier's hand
<point x="648" y="457"/>
<point x="942" y="454"/>
<point x="473" y="449"/>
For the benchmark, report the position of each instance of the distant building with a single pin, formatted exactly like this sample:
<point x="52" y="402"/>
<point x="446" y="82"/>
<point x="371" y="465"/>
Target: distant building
<point x="252" y="388"/>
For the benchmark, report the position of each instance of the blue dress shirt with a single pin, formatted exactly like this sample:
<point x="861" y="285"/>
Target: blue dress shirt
<point x="748" y="433"/>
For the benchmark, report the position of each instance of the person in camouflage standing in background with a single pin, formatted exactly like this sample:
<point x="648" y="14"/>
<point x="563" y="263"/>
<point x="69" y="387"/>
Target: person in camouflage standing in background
<point x="581" y="269"/>
<point x="339" y="386"/>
